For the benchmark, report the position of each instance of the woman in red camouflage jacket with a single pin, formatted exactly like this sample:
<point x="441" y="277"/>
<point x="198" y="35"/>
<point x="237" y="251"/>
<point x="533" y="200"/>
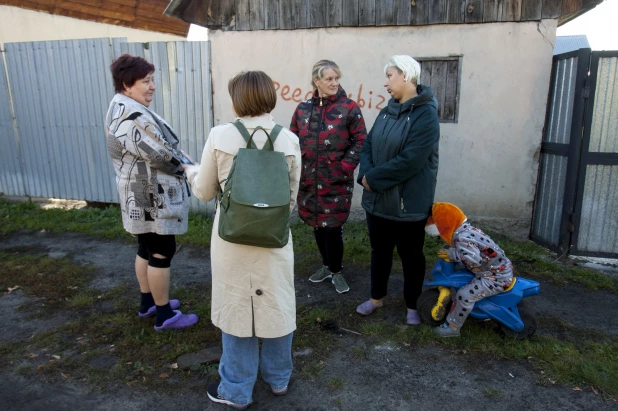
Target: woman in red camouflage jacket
<point x="331" y="130"/>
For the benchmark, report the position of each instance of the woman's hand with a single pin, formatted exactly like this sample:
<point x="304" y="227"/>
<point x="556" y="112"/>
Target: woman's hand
<point x="365" y="184"/>
<point x="185" y="165"/>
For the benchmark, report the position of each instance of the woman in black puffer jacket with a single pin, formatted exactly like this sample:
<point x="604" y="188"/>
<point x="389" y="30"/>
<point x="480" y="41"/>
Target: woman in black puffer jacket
<point x="398" y="169"/>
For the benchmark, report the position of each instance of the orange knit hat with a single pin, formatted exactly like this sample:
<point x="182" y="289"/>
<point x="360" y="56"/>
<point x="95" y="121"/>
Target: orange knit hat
<point x="447" y="217"/>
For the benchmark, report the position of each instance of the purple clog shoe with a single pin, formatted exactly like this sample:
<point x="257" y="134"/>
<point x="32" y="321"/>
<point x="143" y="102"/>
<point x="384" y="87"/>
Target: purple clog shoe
<point x="413" y="318"/>
<point x="178" y="321"/>
<point x="174" y="304"/>
<point x="367" y="308"/>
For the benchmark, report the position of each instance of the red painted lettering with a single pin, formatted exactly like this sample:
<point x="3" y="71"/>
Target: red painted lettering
<point x="360" y="101"/>
<point x="309" y="95"/>
<point x="382" y="100"/>
<point x="284" y="92"/>
<point x="370" y="93"/>
<point x="277" y="85"/>
<point x="297" y="92"/>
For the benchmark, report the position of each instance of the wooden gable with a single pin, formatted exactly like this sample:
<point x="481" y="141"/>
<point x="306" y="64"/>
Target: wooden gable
<point x="135" y="14"/>
<point x="301" y="14"/>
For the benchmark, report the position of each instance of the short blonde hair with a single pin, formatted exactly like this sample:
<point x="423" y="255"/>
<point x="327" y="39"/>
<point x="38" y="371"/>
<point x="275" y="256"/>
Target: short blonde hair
<point x="253" y="93"/>
<point x="406" y="65"/>
<point x="320" y="67"/>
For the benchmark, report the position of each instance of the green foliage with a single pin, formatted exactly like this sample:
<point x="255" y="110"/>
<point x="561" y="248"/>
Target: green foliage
<point x="335" y="383"/>
<point x="52" y="280"/>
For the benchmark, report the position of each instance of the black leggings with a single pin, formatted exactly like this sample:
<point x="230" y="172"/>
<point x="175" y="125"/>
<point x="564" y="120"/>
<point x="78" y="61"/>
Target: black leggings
<point x="409" y="238"/>
<point x="153" y="243"/>
<point x="330" y="244"/>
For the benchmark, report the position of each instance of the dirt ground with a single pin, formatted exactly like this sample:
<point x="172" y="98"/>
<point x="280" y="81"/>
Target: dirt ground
<point x="391" y="377"/>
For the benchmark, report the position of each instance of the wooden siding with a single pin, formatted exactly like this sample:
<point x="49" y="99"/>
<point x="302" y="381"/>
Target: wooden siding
<point x="303" y="14"/>
<point x="135" y="14"/>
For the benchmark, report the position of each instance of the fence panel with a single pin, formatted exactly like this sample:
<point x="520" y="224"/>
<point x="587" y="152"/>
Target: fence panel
<point x="559" y="151"/>
<point x="61" y="91"/>
<point x="596" y="232"/>
<point x="11" y="181"/>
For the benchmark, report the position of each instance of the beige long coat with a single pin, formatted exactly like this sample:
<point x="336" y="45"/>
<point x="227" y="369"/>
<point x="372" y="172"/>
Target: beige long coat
<point x="252" y="287"/>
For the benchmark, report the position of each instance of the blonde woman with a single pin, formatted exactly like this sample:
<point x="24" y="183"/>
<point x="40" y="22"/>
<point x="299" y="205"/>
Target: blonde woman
<point x="331" y="130"/>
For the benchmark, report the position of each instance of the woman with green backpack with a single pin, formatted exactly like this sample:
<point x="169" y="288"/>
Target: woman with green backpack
<point x="252" y="282"/>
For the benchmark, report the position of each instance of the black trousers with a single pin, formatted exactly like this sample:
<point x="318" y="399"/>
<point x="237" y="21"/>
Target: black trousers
<point x="409" y="238"/>
<point x="330" y="244"/>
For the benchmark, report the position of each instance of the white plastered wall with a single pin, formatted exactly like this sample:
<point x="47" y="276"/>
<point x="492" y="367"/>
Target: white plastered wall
<point x="20" y="25"/>
<point x="488" y="159"/>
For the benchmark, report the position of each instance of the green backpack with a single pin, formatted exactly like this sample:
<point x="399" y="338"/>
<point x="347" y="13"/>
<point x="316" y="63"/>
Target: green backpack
<point x="254" y="205"/>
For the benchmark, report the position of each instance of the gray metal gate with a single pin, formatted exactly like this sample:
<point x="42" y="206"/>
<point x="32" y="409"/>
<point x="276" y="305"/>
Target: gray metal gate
<point x="56" y="98"/>
<point x="576" y="206"/>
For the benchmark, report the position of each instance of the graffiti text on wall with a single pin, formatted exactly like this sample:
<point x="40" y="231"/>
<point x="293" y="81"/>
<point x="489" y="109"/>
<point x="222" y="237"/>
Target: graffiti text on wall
<point x="369" y="100"/>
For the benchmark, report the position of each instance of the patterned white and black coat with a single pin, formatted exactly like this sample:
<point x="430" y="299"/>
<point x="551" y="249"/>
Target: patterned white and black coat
<point x="154" y="196"/>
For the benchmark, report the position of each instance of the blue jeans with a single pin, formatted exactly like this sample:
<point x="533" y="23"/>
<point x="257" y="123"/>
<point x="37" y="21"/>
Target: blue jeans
<point x="240" y="360"/>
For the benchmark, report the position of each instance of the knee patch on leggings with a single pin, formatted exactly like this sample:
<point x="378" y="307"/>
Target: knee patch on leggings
<point x="150" y="244"/>
<point x="159" y="262"/>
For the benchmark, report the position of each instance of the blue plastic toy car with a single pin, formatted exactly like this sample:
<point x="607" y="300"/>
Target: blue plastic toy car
<point x="447" y="277"/>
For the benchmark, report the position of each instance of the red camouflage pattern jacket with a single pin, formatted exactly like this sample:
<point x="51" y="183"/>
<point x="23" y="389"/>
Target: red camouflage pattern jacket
<point x="331" y="132"/>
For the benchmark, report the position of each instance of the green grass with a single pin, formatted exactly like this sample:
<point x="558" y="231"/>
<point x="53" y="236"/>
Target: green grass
<point x="105" y="222"/>
<point x="568" y="355"/>
<point x="101" y="222"/>
<point x="492" y="393"/>
<point x="312" y="370"/>
<point x="359" y="353"/>
<point x="533" y="261"/>
<point x="335" y="383"/>
<point x="576" y="360"/>
<point x="565" y="354"/>
<point x="376" y="328"/>
<point x="529" y="259"/>
<point x="53" y="280"/>
<point x="141" y="353"/>
<point x="83" y="299"/>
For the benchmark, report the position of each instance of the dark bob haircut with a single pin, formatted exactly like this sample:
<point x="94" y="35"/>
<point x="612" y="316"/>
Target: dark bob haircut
<point x="253" y="93"/>
<point x="127" y="69"/>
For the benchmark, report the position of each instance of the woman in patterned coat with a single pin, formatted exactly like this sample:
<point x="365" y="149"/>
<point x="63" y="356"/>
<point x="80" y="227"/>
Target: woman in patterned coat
<point x="331" y="130"/>
<point x="154" y="195"/>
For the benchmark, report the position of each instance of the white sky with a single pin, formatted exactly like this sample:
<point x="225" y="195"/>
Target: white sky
<point x="600" y="25"/>
<point x="197" y="33"/>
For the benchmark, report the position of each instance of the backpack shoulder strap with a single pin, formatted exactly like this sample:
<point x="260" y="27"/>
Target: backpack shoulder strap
<point x="244" y="132"/>
<point x="275" y="132"/>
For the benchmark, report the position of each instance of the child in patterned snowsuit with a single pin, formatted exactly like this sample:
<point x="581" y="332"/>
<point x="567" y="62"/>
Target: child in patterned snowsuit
<point x="478" y="253"/>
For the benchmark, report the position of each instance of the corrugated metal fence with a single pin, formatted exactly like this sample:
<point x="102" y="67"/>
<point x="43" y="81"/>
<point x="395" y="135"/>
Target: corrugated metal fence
<point x="567" y="80"/>
<point x="11" y="180"/>
<point x="576" y="207"/>
<point x="60" y="91"/>
<point x="596" y="231"/>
